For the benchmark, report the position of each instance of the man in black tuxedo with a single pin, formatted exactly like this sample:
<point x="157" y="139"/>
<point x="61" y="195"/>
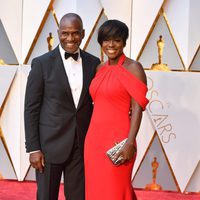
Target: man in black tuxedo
<point x="57" y="112"/>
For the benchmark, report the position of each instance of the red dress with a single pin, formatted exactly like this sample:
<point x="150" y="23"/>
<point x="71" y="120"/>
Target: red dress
<point x="111" y="90"/>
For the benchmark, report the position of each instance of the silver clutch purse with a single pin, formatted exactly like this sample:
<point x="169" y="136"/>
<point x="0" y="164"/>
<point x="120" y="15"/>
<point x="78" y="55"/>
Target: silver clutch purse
<point x="111" y="152"/>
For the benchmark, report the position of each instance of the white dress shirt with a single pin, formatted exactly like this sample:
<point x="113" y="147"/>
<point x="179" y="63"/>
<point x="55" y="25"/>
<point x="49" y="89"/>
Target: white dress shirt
<point x="74" y="73"/>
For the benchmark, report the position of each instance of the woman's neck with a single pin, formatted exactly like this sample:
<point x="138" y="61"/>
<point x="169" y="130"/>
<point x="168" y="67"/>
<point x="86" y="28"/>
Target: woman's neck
<point x="113" y="61"/>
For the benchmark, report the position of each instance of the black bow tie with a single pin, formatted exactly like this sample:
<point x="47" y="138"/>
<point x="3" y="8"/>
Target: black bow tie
<point x="73" y="55"/>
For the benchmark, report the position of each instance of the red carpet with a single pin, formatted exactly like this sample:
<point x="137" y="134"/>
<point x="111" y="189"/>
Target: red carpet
<point x="13" y="190"/>
<point x="164" y="195"/>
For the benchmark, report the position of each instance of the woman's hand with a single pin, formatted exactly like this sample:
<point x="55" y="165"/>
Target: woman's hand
<point x="126" y="153"/>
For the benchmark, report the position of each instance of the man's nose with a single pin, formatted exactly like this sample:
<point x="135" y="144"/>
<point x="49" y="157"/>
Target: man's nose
<point x="70" y="37"/>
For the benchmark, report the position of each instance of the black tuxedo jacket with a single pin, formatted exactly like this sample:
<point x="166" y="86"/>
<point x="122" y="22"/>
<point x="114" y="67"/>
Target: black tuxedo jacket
<point x="51" y="118"/>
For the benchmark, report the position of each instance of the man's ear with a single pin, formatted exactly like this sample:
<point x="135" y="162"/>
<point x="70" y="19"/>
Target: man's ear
<point x="83" y="33"/>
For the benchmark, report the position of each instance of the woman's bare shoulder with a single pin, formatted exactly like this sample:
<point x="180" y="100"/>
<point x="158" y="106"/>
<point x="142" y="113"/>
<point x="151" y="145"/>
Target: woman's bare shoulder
<point x="136" y="69"/>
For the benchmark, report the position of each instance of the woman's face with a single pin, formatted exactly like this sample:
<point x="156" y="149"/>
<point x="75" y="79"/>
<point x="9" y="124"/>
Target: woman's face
<point x="113" y="48"/>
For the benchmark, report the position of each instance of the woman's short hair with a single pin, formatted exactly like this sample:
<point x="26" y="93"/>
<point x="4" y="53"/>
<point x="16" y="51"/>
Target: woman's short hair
<point x="112" y="29"/>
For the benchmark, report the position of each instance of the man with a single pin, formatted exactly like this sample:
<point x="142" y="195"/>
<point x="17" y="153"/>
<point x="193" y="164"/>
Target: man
<point x="58" y="108"/>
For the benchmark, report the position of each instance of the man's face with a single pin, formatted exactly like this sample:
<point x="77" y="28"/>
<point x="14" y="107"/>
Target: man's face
<point x="70" y="34"/>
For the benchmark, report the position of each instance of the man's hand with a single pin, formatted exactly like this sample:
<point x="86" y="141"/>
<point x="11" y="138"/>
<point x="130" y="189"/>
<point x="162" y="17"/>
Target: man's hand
<point x="37" y="161"/>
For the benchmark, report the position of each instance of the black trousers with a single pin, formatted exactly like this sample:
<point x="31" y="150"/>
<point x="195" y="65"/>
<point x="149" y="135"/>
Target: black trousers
<point x="48" y="182"/>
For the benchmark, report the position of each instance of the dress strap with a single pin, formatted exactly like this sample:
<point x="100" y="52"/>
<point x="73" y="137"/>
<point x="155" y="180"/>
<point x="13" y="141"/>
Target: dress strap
<point x="121" y="59"/>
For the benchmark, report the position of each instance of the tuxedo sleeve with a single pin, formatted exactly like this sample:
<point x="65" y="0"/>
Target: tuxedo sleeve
<point x="33" y="101"/>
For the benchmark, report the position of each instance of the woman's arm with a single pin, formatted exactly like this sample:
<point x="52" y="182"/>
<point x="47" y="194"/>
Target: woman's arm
<point x="128" y="150"/>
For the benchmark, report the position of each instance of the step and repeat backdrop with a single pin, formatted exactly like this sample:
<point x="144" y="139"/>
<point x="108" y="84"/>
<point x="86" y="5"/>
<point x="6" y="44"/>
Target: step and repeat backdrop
<point x="164" y="37"/>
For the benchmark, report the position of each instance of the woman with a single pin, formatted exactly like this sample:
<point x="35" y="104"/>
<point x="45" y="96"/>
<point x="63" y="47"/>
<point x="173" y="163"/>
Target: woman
<point x="119" y="85"/>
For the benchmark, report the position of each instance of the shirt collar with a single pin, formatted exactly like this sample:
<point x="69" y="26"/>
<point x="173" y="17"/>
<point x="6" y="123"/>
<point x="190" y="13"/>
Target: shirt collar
<point x="62" y="52"/>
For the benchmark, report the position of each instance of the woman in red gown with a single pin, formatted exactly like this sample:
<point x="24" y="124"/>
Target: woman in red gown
<point x="119" y="85"/>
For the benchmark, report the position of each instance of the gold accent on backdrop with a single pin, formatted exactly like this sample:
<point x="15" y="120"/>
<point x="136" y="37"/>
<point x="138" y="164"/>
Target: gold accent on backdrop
<point x="1" y="132"/>
<point x="160" y="66"/>
<point x="154" y="185"/>
<point x="1" y="177"/>
<point x="2" y="62"/>
<point x="173" y="38"/>
<point x="6" y="97"/>
<point x="50" y="41"/>
<point x="189" y="68"/>
<point x="93" y="29"/>
<point x="160" y="44"/>
<point x="145" y="154"/>
<point x="6" y="149"/>
<point x="49" y="9"/>
<point x="55" y="17"/>
<point x="166" y="158"/>
<point x="188" y="183"/>
<point x="27" y="172"/>
<point x="161" y="12"/>
<point x="168" y="162"/>
<point x="150" y="32"/>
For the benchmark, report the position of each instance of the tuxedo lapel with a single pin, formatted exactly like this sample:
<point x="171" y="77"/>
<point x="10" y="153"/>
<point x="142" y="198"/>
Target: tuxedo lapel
<point x="86" y="78"/>
<point x="61" y="74"/>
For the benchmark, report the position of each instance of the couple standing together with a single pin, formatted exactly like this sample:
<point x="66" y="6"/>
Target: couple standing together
<point x="68" y="94"/>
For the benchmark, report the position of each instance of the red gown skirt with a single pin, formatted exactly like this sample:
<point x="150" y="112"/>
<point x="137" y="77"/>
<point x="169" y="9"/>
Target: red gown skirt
<point x="111" y="90"/>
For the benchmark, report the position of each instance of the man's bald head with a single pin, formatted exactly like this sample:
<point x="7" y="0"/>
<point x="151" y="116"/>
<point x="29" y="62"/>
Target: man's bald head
<point x="72" y="17"/>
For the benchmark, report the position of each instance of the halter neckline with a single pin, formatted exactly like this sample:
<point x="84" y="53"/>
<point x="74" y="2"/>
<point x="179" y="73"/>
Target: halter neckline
<point x="121" y="60"/>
